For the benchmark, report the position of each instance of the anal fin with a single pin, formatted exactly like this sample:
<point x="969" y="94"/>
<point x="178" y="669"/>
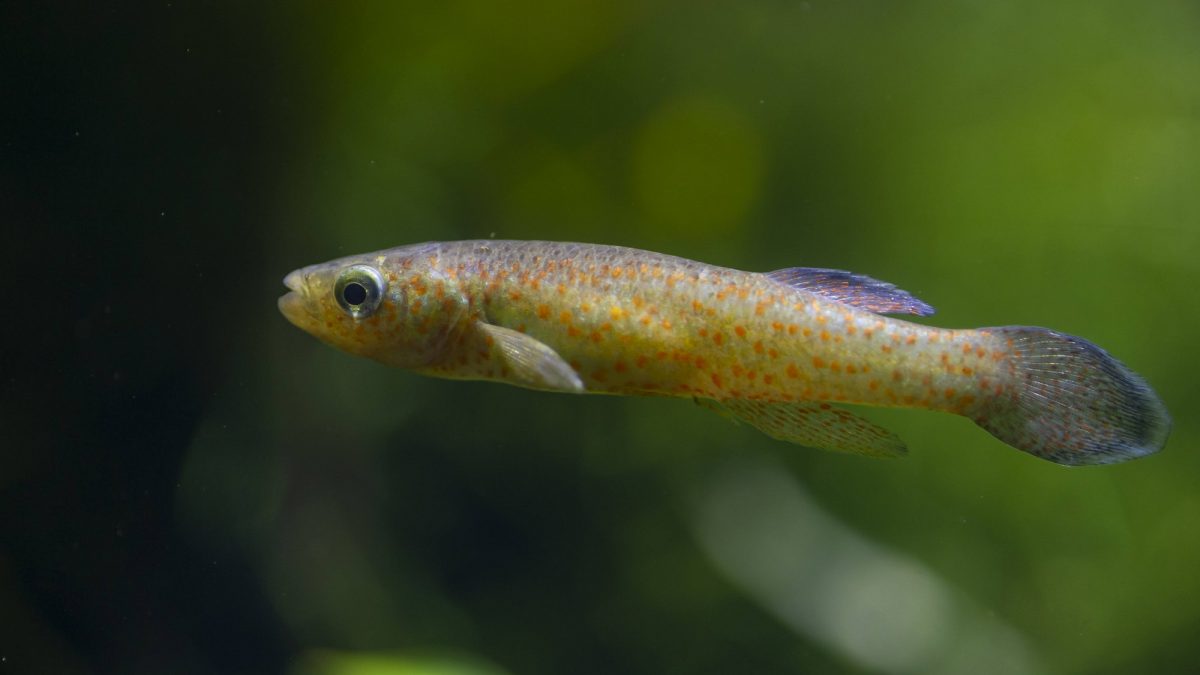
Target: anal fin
<point x="817" y="425"/>
<point x="529" y="362"/>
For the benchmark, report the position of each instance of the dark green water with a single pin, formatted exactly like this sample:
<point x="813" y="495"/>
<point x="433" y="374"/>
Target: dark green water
<point x="191" y="485"/>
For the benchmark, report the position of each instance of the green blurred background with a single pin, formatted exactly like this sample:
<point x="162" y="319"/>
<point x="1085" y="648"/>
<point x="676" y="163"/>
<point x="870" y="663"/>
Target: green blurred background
<point x="191" y="485"/>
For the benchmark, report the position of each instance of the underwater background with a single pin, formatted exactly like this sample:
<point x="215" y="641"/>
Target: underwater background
<point x="191" y="485"/>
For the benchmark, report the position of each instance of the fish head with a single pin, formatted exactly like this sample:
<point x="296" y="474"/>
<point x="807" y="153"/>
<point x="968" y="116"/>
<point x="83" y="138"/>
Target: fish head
<point x="393" y="306"/>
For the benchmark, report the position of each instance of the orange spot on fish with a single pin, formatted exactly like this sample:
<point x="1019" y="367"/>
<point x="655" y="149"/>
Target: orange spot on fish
<point x="759" y="308"/>
<point x="792" y="371"/>
<point x="912" y="340"/>
<point x="718" y="338"/>
<point x="873" y="385"/>
<point x="768" y="378"/>
<point x="716" y="380"/>
<point x="697" y="306"/>
<point x="740" y="330"/>
<point x="703" y="332"/>
<point x="792" y="328"/>
<point x="616" y="313"/>
<point x="949" y="393"/>
<point x="666" y="324"/>
<point x="573" y="331"/>
<point x="641" y="361"/>
<point x="620" y="367"/>
<point x="773" y="353"/>
<point x="825" y="336"/>
<point x="966" y="370"/>
<point x="835" y="366"/>
<point x="616" y="272"/>
<point x="596" y="336"/>
<point x="564" y="316"/>
<point x="807" y="332"/>
<point x="637" y="301"/>
<point x="887" y="349"/>
<point x="850" y="369"/>
<point x="776" y="326"/>
<point x="514" y="295"/>
<point x="543" y="312"/>
<point x="700" y="362"/>
<point x="758" y="347"/>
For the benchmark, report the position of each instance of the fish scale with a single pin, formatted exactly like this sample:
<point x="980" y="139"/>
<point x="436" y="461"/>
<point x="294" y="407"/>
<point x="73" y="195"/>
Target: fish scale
<point x="770" y="349"/>
<point x="633" y="322"/>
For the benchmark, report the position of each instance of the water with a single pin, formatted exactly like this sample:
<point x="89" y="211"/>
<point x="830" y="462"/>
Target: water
<point x="192" y="485"/>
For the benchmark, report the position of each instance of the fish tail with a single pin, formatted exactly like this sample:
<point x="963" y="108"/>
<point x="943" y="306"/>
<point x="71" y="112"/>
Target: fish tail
<point x="1069" y="401"/>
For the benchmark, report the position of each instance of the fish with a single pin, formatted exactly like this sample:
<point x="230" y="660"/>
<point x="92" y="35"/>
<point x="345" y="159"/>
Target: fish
<point x="780" y="351"/>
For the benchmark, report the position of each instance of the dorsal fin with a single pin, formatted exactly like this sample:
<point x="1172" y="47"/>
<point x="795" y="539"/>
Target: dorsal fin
<point x="856" y="290"/>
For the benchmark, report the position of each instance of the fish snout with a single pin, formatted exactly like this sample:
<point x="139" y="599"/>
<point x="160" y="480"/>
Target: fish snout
<point x="295" y="281"/>
<point x="294" y="304"/>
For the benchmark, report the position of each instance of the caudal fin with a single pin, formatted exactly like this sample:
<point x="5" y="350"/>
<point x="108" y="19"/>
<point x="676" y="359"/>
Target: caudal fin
<point x="1068" y="401"/>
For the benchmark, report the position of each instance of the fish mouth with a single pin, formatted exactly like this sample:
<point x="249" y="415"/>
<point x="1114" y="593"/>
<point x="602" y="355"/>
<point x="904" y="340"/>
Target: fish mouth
<point x="292" y="304"/>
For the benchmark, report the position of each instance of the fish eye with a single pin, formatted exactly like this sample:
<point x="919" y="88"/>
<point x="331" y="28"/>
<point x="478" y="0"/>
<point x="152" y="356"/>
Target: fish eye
<point x="359" y="290"/>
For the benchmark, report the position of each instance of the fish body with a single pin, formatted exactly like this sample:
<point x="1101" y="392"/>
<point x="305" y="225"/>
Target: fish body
<point x="775" y="349"/>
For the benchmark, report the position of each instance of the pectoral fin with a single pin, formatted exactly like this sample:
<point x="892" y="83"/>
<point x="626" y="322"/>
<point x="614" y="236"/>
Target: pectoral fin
<point x="529" y="362"/>
<point x="817" y="425"/>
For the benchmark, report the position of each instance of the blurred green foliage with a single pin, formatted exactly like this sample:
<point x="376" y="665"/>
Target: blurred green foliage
<point x="336" y="663"/>
<point x="1010" y="163"/>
